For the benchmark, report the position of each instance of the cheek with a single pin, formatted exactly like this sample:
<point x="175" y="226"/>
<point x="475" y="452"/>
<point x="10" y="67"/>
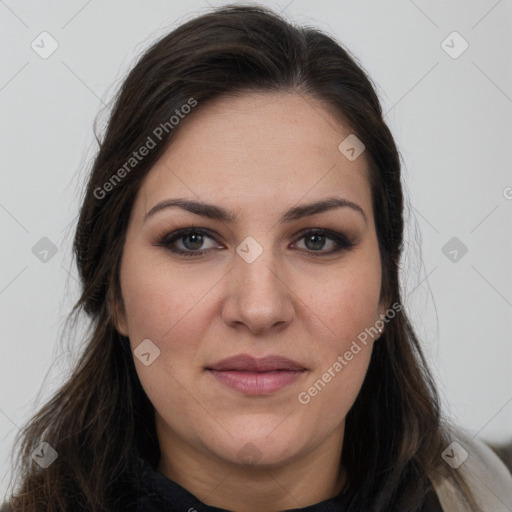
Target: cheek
<point x="161" y="302"/>
<point x="329" y="395"/>
<point x="347" y="304"/>
<point x="169" y="310"/>
<point x="347" y="307"/>
<point x="342" y="358"/>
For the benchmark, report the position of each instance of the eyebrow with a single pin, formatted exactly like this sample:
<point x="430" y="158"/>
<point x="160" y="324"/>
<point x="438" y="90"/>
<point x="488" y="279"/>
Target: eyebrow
<point x="217" y="213"/>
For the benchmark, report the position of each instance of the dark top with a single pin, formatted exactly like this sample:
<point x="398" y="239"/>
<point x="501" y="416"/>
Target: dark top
<point x="157" y="493"/>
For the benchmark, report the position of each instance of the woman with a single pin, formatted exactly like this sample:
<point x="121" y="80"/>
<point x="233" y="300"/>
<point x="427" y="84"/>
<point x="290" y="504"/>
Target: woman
<point x="239" y="247"/>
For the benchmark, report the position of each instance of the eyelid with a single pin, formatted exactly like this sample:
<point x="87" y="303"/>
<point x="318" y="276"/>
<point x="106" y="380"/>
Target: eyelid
<point x="342" y="241"/>
<point x="170" y="237"/>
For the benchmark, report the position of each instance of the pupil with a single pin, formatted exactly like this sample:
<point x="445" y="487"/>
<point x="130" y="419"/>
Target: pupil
<point x="198" y="241"/>
<point x="319" y="240"/>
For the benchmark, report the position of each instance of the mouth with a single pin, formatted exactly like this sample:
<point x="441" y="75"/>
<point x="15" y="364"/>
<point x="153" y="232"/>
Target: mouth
<point x="256" y="376"/>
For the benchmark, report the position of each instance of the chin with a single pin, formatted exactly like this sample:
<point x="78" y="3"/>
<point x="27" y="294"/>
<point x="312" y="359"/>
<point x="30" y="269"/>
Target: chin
<point x="260" y="446"/>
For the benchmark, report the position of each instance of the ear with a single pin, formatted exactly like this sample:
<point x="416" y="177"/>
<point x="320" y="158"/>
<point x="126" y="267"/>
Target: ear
<point x="117" y="313"/>
<point x="383" y="309"/>
<point x="384" y="306"/>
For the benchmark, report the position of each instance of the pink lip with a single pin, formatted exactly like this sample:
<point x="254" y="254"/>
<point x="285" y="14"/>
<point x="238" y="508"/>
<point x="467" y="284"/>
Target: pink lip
<point x="256" y="375"/>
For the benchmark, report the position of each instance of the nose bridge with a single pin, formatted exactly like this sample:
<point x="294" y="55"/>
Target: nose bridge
<point x="259" y="297"/>
<point x="256" y="268"/>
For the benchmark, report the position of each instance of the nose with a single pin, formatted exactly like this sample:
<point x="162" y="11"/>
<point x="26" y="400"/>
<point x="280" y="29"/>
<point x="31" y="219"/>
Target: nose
<point x="259" y="295"/>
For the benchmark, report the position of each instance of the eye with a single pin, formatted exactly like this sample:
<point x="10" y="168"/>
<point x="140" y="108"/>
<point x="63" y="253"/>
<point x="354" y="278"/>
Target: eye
<point x="315" y="241"/>
<point x="192" y="240"/>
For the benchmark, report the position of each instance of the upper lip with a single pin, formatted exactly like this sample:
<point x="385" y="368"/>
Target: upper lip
<point x="246" y="362"/>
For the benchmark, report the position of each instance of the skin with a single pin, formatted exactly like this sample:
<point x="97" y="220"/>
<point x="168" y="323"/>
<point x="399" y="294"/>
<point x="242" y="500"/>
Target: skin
<point x="257" y="154"/>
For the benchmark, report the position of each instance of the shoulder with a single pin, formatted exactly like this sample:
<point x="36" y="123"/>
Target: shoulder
<point x="487" y="476"/>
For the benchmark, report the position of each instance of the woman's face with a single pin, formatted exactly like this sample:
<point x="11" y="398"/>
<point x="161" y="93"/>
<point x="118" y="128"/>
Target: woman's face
<point x="263" y="285"/>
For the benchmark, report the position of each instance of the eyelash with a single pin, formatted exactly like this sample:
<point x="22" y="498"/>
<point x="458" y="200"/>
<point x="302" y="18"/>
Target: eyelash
<point x="343" y="242"/>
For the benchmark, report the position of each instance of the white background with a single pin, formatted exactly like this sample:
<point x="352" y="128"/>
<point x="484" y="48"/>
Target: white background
<point x="451" y="117"/>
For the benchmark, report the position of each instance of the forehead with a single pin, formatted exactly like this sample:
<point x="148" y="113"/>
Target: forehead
<point x="258" y="150"/>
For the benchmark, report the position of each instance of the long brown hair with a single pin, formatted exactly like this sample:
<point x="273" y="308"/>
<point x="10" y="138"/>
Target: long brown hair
<point x="101" y="418"/>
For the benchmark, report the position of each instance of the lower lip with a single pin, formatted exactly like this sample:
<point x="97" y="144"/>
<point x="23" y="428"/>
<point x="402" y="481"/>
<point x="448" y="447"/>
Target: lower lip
<point x="257" y="383"/>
